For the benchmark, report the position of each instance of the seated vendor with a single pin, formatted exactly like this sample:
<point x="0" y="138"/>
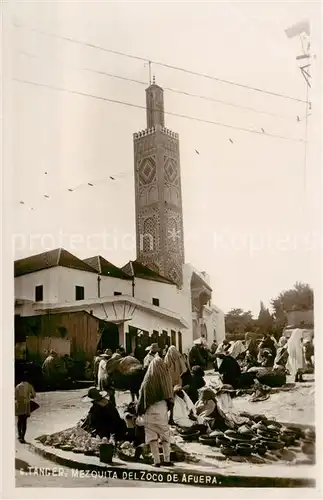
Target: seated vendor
<point x="206" y="409"/>
<point x="103" y="418"/>
<point x="282" y="353"/>
<point x="265" y="358"/>
<point x="229" y="369"/>
<point x="184" y="412"/>
<point x="192" y="381"/>
<point x="249" y="361"/>
<point x="135" y="433"/>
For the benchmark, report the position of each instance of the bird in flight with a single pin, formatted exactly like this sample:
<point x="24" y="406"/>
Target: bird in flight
<point x="197" y="152"/>
<point x="298" y="118"/>
<point x="46" y="196"/>
<point x="89" y="184"/>
<point x="231" y="141"/>
<point x="71" y="190"/>
<point x="112" y="178"/>
<point x="262" y="130"/>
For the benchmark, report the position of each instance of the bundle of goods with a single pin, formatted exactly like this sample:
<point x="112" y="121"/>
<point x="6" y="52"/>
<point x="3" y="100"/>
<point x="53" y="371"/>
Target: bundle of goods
<point x="129" y="365"/>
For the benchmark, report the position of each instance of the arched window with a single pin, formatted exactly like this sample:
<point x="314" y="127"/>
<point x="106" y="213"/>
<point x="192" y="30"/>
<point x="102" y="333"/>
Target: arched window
<point x="148" y="239"/>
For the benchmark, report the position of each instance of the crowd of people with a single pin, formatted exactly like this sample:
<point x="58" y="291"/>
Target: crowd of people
<point x="235" y="361"/>
<point x="173" y="390"/>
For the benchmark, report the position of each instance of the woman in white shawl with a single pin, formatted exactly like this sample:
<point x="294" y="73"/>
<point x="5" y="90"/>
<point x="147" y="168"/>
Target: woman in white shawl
<point x="184" y="412"/>
<point x="296" y="362"/>
<point x="237" y="349"/>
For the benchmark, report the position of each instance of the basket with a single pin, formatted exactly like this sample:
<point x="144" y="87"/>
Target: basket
<point x="106" y="453"/>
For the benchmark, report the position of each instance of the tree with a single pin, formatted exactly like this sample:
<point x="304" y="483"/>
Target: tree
<point x="265" y="321"/>
<point x="300" y="297"/>
<point x="239" y="321"/>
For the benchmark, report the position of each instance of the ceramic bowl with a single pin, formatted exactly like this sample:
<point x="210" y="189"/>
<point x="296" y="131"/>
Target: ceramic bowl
<point x="245" y="430"/>
<point x="275" y="445"/>
<point x="228" y="451"/>
<point x="260" y="449"/>
<point x="222" y="440"/>
<point x="260" y="426"/>
<point x="190" y="437"/>
<point x="267" y="435"/>
<point x="230" y="433"/>
<point x="244" y="449"/>
<point x="216" y="433"/>
<point x="274" y="423"/>
<point x="205" y="439"/>
<point x="295" y="429"/>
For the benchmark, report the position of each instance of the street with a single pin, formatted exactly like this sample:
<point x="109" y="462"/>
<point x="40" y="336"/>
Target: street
<point x="60" y="410"/>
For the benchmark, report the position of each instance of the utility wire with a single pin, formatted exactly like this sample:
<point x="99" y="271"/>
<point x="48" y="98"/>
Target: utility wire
<point x="92" y="184"/>
<point x="137" y="106"/>
<point x="169" y="89"/>
<point x="157" y="63"/>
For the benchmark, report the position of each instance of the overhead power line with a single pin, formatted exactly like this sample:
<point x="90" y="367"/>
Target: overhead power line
<point x="76" y="188"/>
<point x="157" y="63"/>
<point x="169" y="89"/>
<point x="138" y="106"/>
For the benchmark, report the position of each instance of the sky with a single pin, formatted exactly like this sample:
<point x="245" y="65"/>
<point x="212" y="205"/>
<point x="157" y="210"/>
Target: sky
<point x="250" y="220"/>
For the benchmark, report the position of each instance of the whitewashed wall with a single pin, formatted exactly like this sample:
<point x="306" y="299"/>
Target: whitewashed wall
<point x="49" y="278"/>
<point x="110" y="285"/>
<point x="59" y="286"/>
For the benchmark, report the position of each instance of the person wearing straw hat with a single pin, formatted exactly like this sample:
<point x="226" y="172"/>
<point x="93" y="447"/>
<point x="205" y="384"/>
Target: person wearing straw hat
<point x="152" y="351"/>
<point x="103" y="418"/>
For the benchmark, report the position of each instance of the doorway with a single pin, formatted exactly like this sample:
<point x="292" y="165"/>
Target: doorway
<point x="109" y="338"/>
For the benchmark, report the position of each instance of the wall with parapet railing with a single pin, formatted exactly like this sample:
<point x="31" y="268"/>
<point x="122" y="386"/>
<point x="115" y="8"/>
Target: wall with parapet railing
<point x="144" y="133"/>
<point x="149" y="131"/>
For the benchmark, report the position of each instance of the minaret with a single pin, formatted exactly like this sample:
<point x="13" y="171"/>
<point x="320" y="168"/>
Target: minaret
<point x="158" y="196"/>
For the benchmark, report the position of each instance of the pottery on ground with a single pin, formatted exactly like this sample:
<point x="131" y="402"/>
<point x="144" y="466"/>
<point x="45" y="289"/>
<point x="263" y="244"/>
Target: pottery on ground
<point x="260" y="449"/>
<point x="228" y="451"/>
<point x="191" y="436"/>
<point x="275" y="445"/>
<point x="244" y="449"/>
<point x="205" y="439"/>
<point x="216" y="434"/>
<point x="222" y="440"/>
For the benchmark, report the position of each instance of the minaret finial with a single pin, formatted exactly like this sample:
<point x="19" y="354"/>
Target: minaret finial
<point x="154" y="79"/>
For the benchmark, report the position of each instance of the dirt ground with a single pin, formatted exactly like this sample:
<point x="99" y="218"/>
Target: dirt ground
<point x="297" y="405"/>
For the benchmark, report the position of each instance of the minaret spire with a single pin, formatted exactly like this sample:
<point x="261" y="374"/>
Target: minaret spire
<point x="155" y="105"/>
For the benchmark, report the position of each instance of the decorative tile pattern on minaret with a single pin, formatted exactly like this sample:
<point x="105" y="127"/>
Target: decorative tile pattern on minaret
<point x="158" y="196"/>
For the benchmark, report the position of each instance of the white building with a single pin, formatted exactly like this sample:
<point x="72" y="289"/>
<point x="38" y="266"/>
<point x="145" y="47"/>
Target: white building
<point x="137" y="301"/>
